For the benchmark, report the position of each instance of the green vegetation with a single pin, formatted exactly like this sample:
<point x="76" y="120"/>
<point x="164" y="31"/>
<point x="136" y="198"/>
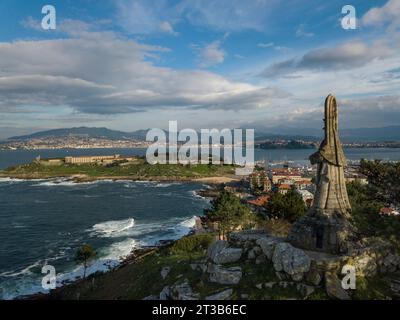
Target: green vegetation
<point x="230" y="213"/>
<point x="376" y="288"/>
<point x="84" y="255"/>
<point x="291" y="144"/>
<point x="139" y="169"/>
<point x="365" y="212"/>
<point x="367" y="200"/>
<point x="289" y="206"/>
<point x="136" y="280"/>
<point x="142" y="277"/>
<point x="384" y="180"/>
<point x="192" y="243"/>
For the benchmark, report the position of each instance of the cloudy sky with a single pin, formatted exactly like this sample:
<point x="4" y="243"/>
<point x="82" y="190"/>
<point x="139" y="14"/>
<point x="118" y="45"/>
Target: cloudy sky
<point x="135" y="64"/>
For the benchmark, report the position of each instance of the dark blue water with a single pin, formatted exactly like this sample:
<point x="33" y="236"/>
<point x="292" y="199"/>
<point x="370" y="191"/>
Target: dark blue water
<point x="46" y="221"/>
<point x="11" y="158"/>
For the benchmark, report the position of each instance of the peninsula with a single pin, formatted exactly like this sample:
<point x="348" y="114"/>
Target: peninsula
<point x="116" y="167"/>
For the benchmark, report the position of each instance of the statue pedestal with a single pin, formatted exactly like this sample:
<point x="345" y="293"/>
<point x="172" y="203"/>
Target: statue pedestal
<point x="326" y="233"/>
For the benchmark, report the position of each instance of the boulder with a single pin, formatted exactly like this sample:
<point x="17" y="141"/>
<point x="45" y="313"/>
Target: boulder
<point x="223" y="295"/>
<point x="334" y="288"/>
<point x="246" y="236"/>
<point x="390" y="263"/>
<point x="305" y="290"/>
<point x="314" y="277"/>
<point x="365" y="265"/>
<point x="164" y="272"/>
<point x="151" y="297"/>
<point x="222" y="275"/>
<point x="219" y="253"/>
<point x="165" y="293"/>
<point x="215" y="248"/>
<point x="254" y="253"/>
<point x="202" y="267"/>
<point x="292" y="261"/>
<point x="269" y="285"/>
<point x="182" y="291"/>
<point x="261" y="259"/>
<point x="267" y="246"/>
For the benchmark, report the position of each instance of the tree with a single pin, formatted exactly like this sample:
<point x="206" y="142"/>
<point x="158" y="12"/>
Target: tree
<point x="383" y="179"/>
<point x="84" y="255"/>
<point x="289" y="206"/>
<point x="229" y="213"/>
<point x="366" y="204"/>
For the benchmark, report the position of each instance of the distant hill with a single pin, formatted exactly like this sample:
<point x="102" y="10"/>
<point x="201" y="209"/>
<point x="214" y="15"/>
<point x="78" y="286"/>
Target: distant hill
<point x="84" y="131"/>
<point x="391" y="133"/>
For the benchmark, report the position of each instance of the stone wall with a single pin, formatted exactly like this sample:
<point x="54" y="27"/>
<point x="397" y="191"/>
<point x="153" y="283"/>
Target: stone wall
<point x="316" y="268"/>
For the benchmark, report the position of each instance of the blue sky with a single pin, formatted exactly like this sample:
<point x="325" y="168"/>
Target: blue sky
<point x="134" y="64"/>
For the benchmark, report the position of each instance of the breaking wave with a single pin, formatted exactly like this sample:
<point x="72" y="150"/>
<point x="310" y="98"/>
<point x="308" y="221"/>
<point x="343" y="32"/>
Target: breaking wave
<point x="112" y="228"/>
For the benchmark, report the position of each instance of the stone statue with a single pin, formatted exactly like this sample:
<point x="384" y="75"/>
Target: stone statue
<point x="331" y="193"/>
<point x="326" y="226"/>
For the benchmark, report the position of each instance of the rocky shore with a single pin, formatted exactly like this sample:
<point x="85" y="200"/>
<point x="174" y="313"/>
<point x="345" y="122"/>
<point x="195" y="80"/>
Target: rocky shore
<point x="85" y="178"/>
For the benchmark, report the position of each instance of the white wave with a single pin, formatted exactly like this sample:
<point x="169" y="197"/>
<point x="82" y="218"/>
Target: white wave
<point x="194" y="194"/>
<point x="119" y="250"/>
<point x="109" y="257"/>
<point x="166" y="185"/>
<point x="112" y="228"/>
<point x="24" y="271"/>
<point x="15" y="180"/>
<point x="67" y="182"/>
<point x="184" y="227"/>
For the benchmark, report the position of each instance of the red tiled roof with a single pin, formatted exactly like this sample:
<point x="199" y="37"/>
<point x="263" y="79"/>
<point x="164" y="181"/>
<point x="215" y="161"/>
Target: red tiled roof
<point x="386" y="210"/>
<point x="260" y="201"/>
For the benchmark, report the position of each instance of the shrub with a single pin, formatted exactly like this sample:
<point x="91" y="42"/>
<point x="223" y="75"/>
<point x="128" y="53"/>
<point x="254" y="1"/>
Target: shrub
<point x="190" y="244"/>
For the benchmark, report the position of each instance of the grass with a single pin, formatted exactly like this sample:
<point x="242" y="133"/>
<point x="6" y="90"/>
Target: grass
<point x="138" y="169"/>
<point x="143" y="278"/>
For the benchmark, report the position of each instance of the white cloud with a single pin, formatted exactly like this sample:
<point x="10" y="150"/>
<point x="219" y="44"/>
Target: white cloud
<point x="166" y="27"/>
<point x="300" y="32"/>
<point x="348" y="55"/>
<point x="144" y="17"/>
<point x="211" y="54"/>
<point x="266" y="45"/>
<point x="100" y="72"/>
<point x="387" y="14"/>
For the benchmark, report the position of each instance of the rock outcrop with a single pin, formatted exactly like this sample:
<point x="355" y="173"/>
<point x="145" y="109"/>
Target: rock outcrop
<point x="223" y="275"/>
<point x="290" y="260"/>
<point x="220" y="253"/>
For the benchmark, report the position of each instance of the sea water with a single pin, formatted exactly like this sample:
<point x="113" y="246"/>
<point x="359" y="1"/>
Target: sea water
<point x="45" y="221"/>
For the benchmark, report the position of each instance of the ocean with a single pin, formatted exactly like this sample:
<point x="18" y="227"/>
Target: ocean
<point x="45" y="221"/>
<point x="13" y="157"/>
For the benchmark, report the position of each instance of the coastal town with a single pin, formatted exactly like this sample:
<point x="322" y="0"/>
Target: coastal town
<point x="269" y="178"/>
<point x="85" y="141"/>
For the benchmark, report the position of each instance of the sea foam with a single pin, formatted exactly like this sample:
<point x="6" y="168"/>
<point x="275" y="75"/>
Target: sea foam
<point x="112" y="228"/>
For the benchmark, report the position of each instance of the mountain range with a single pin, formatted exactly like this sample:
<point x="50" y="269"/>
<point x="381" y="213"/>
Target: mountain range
<point x="391" y="133"/>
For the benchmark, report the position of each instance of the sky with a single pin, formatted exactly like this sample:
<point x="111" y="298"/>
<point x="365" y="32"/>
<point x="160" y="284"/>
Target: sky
<point x="136" y="64"/>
